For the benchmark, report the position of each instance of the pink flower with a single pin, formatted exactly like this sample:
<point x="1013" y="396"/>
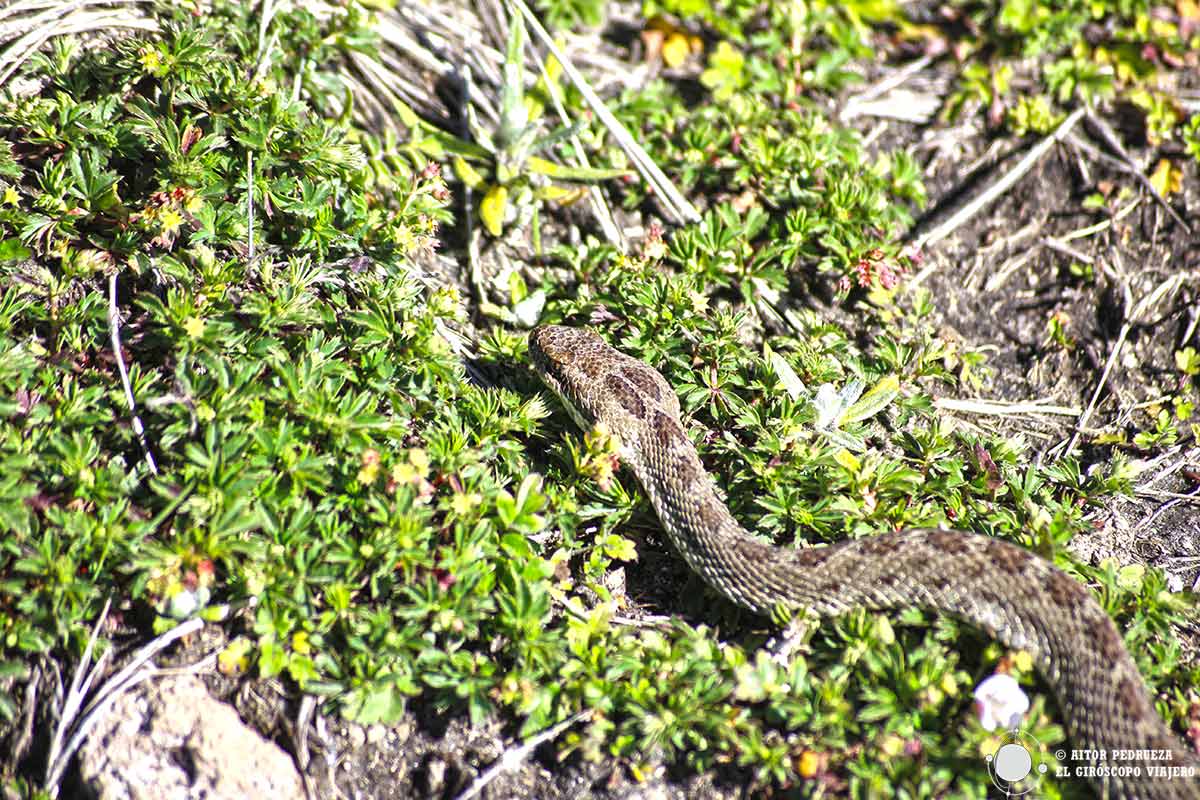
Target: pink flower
<point x="864" y="272"/>
<point x="888" y="278"/>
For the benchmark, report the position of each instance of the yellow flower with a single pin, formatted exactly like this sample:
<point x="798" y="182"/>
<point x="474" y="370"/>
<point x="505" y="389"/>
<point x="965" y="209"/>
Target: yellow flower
<point x="445" y="302"/>
<point x="233" y="660"/>
<point x="413" y="470"/>
<point x="170" y="219"/>
<point x="462" y="502"/>
<point x="193" y="326"/>
<point x="300" y="643"/>
<point x="406" y="239"/>
<point x="11" y="198"/>
<point x="370" y="467"/>
<point x="810" y="762"/>
<point x="151" y="61"/>
<point x="676" y="49"/>
<point x="892" y="745"/>
<point x="403" y="473"/>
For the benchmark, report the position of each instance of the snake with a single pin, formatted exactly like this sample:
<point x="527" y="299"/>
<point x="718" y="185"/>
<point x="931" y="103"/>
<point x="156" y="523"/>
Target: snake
<point x="1018" y="598"/>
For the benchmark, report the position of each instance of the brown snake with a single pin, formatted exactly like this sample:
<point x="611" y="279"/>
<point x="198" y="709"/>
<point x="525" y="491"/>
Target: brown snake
<point x="1016" y="597"/>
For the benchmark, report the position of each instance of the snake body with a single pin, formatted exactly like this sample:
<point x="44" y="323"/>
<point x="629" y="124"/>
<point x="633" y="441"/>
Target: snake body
<point x="1016" y="597"/>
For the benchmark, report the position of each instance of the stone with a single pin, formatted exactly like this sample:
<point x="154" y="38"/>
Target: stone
<point x="169" y="739"/>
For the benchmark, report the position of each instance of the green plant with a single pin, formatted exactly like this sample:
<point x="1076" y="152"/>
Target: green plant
<point x="1162" y="115"/>
<point x="767" y="163"/>
<point x="1032" y="114"/>
<point x="570" y="13"/>
<point x="370" y="525"/>
<point x="1191" y="137"/>
<point x="1057" y="330"/>
<point x="515" y="179"/>
<point x="1042" y="27"/>
<point x="726" y="72"/>
<point x="1069" y="77"/>
<point x="980" y="84"/>
<point x="1163" y="433"/>
<point x="1187" y="361"/>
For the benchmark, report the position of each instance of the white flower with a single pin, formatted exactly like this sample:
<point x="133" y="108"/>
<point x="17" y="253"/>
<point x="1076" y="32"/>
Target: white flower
<point x="183" y="604"/>
<point x="1000" y="702"/>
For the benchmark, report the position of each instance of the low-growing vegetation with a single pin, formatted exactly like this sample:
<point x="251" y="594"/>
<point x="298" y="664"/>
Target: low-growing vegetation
<point x="348" y="468"/>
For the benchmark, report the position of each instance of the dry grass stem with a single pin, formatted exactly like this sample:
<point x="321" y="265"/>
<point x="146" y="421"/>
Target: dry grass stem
<point x="1002" y="408"/>
<point x="995" y="190"/>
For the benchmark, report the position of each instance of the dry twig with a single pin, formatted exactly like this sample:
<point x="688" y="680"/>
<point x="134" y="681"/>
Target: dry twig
<point x="993" y="192"/>
<point x="1000" y="408"/>
<point x="673" y="201"/>
<point x="114" y="325"/>
<point x="514" y="757"/>
<point x="1169" y="285"/>
<point x="134" y="673"/>
<point x="1110" y="139"/>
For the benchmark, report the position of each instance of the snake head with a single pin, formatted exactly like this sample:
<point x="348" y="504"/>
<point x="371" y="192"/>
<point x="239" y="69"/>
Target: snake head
<point x="598" y="383"/>
<point x="569" y="361"/>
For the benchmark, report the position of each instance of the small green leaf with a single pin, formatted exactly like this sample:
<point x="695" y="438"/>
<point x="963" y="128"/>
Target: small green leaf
<point x="848" y="460"/>
<point x="620" y="548"/>
<point x="435" y="144"/>
<point x="874" y="401"/>
<point x="1131" y="576"/>
<point x="514" y="115"/>
<point x="565" y="173"/>
<point x="726" y="71"/>
<point x="846" y="440"/>
<point x="405" y="112"/>
<point x="1186" y="360"/>
<point x="383" y="704"/>
<point x="787" y="376"/>
<point x="555" y="193"/>
<point x="468" y="174"/>
<point x="13" y="250"/>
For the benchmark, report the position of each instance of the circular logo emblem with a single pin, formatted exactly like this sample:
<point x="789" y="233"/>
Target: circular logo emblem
<point x="1012" y="766"/>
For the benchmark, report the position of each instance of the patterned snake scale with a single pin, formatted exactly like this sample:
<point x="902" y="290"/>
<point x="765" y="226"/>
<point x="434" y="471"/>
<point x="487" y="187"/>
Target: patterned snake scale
<point x="1013" y="595"/>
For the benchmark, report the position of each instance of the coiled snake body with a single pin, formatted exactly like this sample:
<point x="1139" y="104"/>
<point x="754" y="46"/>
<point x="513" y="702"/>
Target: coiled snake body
<point x="1013" y="595"/>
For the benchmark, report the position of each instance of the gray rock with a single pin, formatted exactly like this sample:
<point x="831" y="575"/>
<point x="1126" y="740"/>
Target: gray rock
<point x="170" y="739"/>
